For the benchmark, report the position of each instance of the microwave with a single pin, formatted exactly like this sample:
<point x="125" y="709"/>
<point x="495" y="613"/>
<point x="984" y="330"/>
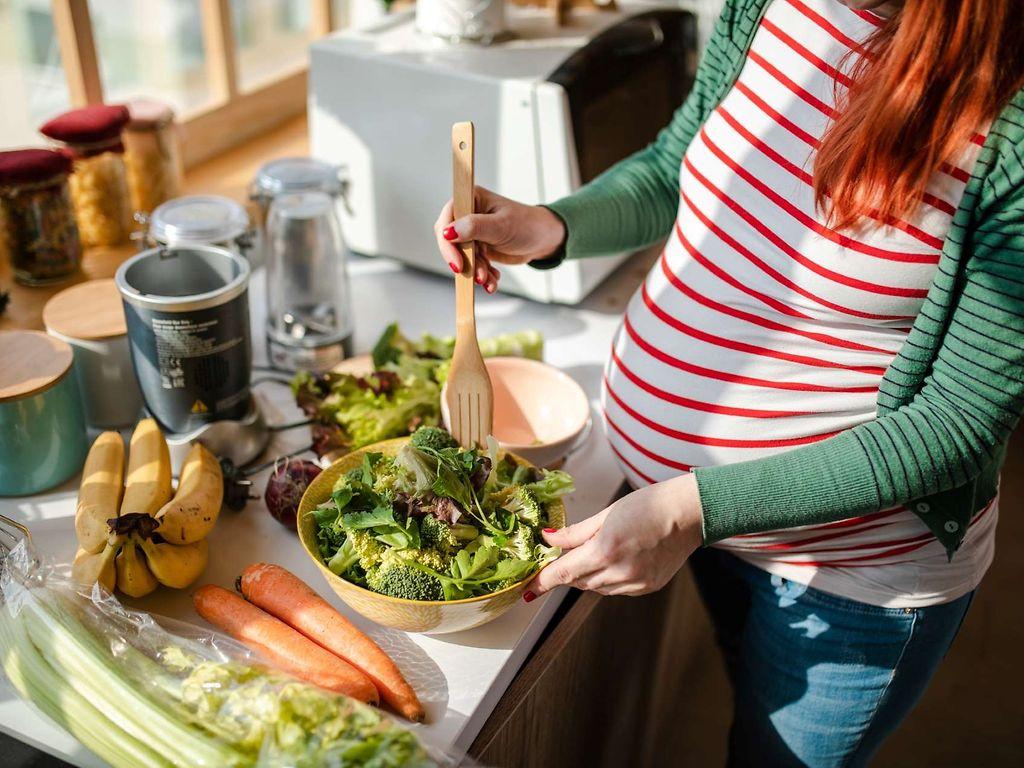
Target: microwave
<point x="553" y="107"/>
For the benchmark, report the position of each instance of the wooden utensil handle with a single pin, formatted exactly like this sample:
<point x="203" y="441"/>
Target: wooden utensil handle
<point x="463" y="204"/>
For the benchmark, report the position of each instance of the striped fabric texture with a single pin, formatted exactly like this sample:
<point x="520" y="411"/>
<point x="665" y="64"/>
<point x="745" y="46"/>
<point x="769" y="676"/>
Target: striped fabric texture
<point x="760" y="328"/>
<point x="952" y="394"/>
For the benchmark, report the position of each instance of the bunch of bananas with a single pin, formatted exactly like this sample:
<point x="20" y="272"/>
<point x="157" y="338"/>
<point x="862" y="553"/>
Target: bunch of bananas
<point x="132" y="534"/>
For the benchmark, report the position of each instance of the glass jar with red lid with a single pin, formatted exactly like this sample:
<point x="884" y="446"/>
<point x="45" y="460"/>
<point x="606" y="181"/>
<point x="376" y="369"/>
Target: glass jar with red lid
<point x="38" y="235"/>
<point x="99" y="186"/>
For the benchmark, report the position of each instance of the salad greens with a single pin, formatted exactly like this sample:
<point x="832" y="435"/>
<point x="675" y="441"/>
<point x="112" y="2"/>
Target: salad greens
<point x="402" y="393"/>
<point x="438" y="522"/>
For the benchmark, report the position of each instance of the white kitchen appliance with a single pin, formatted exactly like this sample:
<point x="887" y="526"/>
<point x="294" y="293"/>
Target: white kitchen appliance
<point x="553" y="107"/>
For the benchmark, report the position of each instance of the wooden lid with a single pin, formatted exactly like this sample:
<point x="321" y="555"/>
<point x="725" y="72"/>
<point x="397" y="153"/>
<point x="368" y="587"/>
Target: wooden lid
<point x="88" y="311"/>
<point x="30" y="362"/>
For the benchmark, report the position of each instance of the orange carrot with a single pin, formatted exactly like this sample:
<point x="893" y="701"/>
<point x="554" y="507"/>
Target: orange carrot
<point x="280" y="644"/>
<point x="289" y="598"/>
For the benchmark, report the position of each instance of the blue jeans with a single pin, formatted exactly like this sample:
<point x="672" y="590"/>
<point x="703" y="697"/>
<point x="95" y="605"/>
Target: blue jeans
<point x="819" y="680"/>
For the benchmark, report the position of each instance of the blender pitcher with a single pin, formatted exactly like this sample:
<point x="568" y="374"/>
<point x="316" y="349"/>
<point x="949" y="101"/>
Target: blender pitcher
<point x="309" y="322"/>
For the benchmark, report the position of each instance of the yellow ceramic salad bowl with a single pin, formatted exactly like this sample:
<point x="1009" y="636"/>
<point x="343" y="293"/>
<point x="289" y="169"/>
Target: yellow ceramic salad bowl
<point x="432" y="617"/>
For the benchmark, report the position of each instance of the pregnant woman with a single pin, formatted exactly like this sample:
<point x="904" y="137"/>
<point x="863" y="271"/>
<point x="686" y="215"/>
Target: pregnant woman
<point x="813" y="389"/>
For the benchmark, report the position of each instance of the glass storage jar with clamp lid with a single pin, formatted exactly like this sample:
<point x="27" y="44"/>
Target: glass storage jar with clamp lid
<point x="309" y="321"/>
<point x="288" y="175"/>
<point x="200" y="220"/>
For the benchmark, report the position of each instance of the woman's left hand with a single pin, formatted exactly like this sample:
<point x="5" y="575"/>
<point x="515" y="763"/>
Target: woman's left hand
<point x="631" y="548"/>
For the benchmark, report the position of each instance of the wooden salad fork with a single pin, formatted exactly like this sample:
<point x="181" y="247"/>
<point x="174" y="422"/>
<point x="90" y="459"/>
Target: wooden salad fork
<point x="468" y="392"/>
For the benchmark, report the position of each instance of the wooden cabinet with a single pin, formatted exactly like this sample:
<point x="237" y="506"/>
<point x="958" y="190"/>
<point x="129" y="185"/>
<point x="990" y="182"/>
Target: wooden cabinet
<point x="615" y="682"/>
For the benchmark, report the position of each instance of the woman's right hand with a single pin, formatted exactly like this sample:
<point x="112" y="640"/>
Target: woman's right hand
<point x="506" y="232"/>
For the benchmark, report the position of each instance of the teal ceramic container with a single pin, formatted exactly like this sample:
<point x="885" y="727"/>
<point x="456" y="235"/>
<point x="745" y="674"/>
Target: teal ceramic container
<point x="42" y="426"/>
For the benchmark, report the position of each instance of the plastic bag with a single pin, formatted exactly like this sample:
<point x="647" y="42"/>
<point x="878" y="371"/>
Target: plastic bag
<point x="140" y="693"/>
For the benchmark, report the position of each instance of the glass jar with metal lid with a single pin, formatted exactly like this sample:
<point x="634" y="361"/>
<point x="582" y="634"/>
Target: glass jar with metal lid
<point x="294" y="174"/>
<point x="309" y="320"/>
<point x="200" y="220"/>
<point x="290" y="175"/>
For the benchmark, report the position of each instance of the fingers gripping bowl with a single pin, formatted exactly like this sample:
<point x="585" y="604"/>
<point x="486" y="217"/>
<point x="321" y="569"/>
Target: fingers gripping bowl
<point x="464" y="608"/>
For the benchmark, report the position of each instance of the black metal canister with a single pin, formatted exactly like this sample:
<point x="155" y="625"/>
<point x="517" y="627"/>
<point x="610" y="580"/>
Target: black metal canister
<point x="187" y="311"/>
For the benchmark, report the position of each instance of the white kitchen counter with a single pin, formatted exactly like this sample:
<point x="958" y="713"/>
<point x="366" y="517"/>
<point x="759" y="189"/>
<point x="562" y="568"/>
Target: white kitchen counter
<point x="460" y="676"/>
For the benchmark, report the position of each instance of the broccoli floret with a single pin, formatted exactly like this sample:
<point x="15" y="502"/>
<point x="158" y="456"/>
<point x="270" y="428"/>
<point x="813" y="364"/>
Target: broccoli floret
<point x="398" y="580"/>
<point x="525" y="506"/>
<point x="434" y="438"/>
<point x="431" y="558"/>
<point x="521" y="543"/>
<point x="358" y="547"/>
<point x="439" y="535"/>
<point x="435" y="534"/>
<point x="369" y="550"/>
<point x="391" y="479"/>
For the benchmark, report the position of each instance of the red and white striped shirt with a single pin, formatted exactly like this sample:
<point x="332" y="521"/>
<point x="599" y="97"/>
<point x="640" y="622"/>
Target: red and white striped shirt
<point x="761" y="329"/>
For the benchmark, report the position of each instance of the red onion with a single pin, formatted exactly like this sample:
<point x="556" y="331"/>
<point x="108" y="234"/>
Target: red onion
<point x="285" y="487"/>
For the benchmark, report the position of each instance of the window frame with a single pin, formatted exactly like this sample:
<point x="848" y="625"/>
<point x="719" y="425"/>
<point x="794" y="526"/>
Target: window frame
<point x="233" y="116"/>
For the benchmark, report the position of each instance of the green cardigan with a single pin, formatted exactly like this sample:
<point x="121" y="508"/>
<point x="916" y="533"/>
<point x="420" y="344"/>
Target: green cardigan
<point x="952" y="396"/>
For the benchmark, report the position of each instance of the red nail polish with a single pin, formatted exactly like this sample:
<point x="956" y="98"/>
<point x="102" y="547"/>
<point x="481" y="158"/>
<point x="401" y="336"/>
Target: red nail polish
<point x="454" y="267"/>
<point x="550" y="530"/>
<point x="529" y="597"/>
<point x="449" y="233"/>
<point x="489" y="288"/>
<point x="478" y="281"/>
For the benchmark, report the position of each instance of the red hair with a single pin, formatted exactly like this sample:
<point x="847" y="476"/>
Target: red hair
<point x="929" y="78"/>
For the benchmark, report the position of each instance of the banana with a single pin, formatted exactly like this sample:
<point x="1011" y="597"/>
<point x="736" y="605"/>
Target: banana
<point x="100" y="493"/>
<point x="133" y="575"/>
<point x="90" y="567"/>
<point x="148" y="483"/>
<point x="175" y="566"/>
<point x="193" y="511"/>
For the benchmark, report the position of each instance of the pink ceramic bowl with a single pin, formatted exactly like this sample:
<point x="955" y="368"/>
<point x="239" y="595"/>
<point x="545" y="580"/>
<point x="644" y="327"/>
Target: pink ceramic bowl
<point x="539" y="411"/>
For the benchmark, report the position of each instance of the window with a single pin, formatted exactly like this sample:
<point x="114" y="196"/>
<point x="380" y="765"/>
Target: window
<point x="230" y="68"/>
<point x="271" y="36"/>
<point x="31" y="75"/>
<point x="152" y="48"/>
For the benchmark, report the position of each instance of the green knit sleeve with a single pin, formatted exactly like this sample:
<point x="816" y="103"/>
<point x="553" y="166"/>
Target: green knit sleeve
<point x="633" y="203"/>
<point x="971" y="399"/>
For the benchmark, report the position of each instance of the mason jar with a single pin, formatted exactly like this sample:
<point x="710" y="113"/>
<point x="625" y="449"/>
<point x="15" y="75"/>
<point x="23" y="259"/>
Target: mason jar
<point x="38" y="235"/>
<point x="309" y="312"/>
<point x="152" y="155"/>
<point x="98" y="184"/>
<point x="290" y="175"/>
<point x="200" y="220"/>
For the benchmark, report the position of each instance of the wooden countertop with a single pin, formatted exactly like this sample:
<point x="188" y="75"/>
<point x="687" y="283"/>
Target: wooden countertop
<point x="228" y="174"/>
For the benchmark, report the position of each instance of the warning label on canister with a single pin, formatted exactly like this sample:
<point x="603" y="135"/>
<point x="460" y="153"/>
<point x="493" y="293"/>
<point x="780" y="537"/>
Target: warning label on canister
<point x="193" y="366"/>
